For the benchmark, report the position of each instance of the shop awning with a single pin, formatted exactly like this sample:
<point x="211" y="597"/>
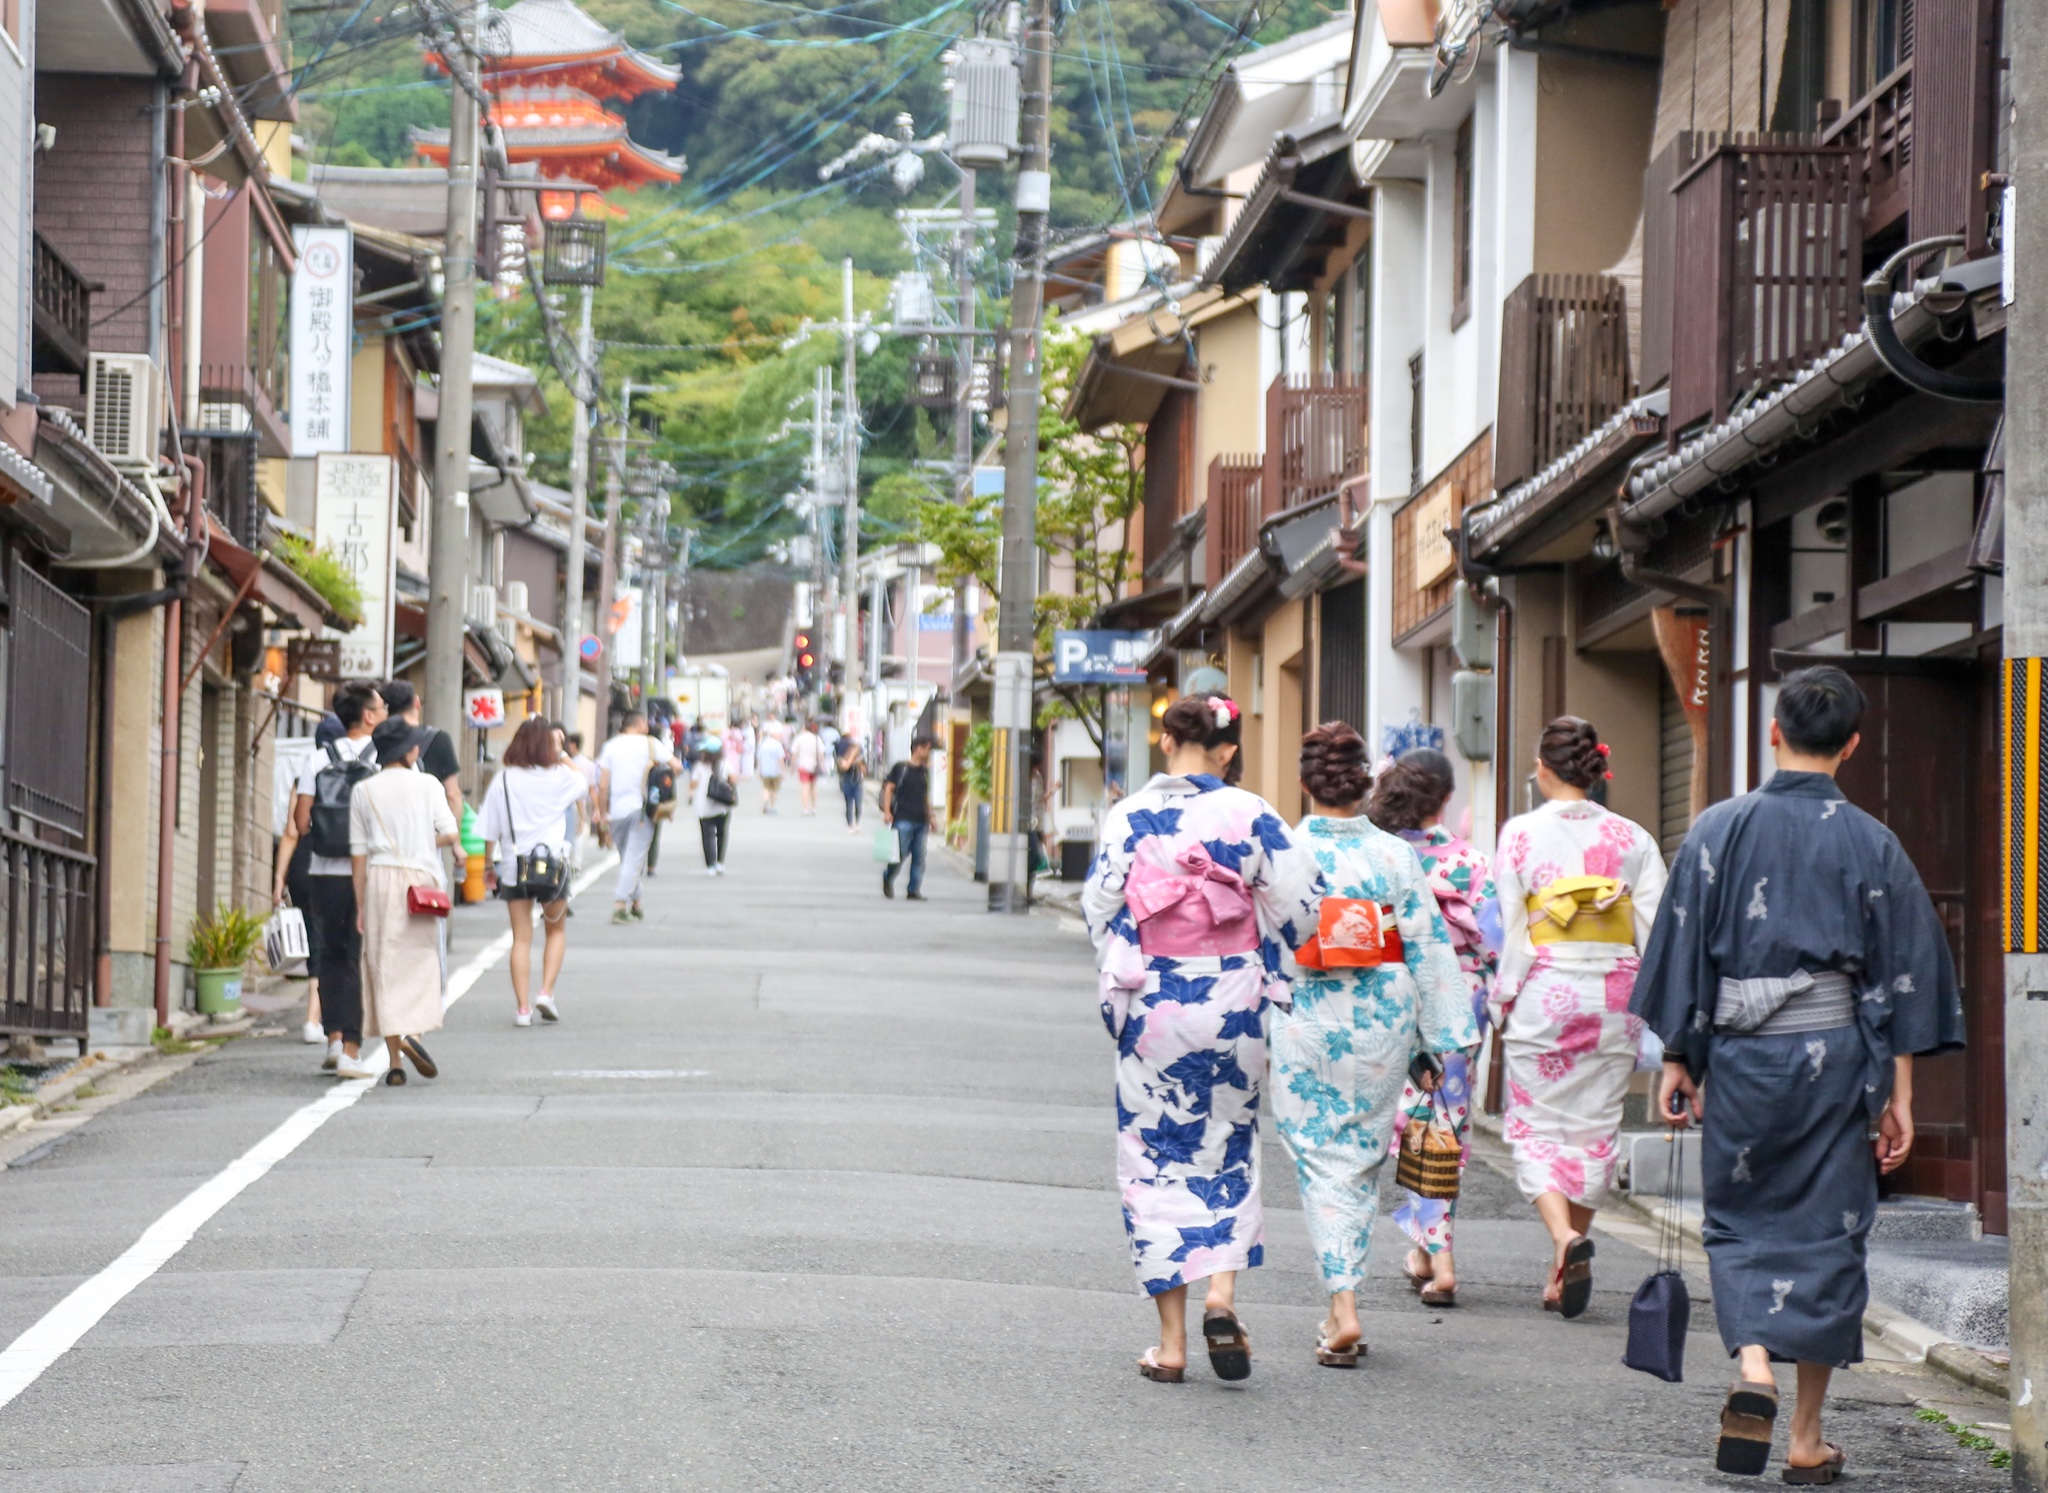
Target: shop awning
<point x="297" y="605"/>
<point x="1300" y="209"/>
<point x="1132" y="367"/>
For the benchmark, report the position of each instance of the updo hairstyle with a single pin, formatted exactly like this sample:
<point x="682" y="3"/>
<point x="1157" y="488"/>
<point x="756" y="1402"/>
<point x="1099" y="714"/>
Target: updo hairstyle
<point x="1412" y="791"/>
<point x="1570" y="747"/>
<point x="1333" y="765"/>
<point x="1192" y="721"/>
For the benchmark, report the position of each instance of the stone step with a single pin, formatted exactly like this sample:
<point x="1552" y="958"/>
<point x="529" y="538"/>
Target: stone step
<point x="1927" y="1219"/>
<point x="1957" y="1287"/>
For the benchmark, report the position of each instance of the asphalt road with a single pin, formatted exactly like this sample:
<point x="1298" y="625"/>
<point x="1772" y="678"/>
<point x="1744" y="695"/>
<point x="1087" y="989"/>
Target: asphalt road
<point x="808" y="1190"/>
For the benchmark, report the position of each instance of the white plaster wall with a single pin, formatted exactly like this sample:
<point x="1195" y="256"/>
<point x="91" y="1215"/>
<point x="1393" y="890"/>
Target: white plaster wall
<point x="1401" y="276"/>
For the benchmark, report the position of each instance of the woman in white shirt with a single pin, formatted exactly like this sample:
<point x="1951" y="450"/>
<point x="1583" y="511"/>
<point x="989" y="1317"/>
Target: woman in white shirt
<point x="398" y="821"/>
<point x="714" y="819"/>
<point x="526" y="809"/>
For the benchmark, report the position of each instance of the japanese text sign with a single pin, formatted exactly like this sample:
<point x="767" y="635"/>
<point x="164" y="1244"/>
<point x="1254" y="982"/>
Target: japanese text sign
<point x="1095" y="657"/>
<point x="353" y="513"/>
<point x="322" y="332"/>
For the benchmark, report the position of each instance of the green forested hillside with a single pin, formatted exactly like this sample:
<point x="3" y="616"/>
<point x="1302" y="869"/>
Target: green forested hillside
<point x="716" y="272"/>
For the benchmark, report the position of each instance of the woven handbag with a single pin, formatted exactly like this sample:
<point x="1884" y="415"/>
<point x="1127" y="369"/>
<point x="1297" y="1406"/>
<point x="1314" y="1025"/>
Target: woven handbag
<point x="1431" y="1161"/>
<point x="1662" y="1309"/>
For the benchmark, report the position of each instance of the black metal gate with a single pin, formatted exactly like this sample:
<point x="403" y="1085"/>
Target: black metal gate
<point x="1340" y="691"/>
<point x="46" y="890"/>
<point x="49" y="690"/>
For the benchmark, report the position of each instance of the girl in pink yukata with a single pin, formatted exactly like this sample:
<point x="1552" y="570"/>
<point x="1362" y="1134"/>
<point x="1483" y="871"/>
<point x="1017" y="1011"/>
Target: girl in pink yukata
<point x="1196" y="901"/>
<point x="1408" y="799"/>
<point x="1579" y="888"/>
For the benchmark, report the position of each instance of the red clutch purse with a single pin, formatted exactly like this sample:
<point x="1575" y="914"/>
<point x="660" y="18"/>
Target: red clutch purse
<point x="427" y="901"/>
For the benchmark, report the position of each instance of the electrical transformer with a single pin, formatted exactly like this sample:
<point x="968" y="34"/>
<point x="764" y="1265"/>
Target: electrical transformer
<point x="982" y="133"/>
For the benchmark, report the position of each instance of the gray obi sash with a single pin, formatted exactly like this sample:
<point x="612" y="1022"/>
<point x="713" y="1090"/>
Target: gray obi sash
<point x="1771" y="1006"/>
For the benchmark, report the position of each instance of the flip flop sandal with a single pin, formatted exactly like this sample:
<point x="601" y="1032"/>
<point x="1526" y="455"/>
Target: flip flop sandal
<point x="1746" y="1422"/>
<point x="1336" y="1358"/>
<point x="1150" y="1368"/>
<point x="412" y="1049"/>
<point x="1577" y="1276"/>
<point x="1433" y="1297"/>
<point x="1230" y="1346"/>
<point x="1820" y="1474"/>
<point x="1418" y="1282"/>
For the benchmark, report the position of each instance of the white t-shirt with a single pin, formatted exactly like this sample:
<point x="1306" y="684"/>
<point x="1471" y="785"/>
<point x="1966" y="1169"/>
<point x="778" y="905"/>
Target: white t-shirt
<point x="700" y="801"/>
<point x="627" y="759"/>
<point x="395" y="818"/>
<point x="807" y="751"/>
<point x="348" y="748"/>
<point x="770" y="758"/>
<point x="526" y="807"/>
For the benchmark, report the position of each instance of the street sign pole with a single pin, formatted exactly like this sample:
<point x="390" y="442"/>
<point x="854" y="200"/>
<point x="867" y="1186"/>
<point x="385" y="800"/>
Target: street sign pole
<point x="2026" y="648"/>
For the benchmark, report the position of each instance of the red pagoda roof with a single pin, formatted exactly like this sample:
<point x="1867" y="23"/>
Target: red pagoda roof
<point x="566" y="134"/>
<point x="552" y="43"/>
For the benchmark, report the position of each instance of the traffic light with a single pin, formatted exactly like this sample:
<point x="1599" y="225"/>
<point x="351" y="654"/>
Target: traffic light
<point x="806" y="663"/>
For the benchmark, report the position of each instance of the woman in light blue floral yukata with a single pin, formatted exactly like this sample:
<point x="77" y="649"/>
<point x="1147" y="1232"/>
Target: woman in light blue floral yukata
<point x="1389" y="988"/>
<point x="1196" y="900"/>
<point x="1408" y="800"/>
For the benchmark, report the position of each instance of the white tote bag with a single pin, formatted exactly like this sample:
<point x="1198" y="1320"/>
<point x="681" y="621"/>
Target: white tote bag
<point x="284" y="941"/>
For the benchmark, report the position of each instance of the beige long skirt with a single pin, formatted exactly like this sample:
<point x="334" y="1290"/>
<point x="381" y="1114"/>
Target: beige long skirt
<point x="401" y="959"/>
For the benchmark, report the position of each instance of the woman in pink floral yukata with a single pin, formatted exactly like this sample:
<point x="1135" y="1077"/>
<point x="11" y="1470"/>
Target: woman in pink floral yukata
<point x="1408" y="800"/>
<point x="1579" y="888"/>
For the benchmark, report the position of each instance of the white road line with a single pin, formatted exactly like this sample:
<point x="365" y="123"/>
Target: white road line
<point x="24" y="1360"/>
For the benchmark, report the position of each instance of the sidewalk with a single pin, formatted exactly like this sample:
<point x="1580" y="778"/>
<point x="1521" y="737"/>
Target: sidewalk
<point x="1937" y="1284"/>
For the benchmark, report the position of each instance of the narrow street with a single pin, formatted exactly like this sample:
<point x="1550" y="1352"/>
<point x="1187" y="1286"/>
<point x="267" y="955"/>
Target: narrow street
<point x="808" y="1190"/>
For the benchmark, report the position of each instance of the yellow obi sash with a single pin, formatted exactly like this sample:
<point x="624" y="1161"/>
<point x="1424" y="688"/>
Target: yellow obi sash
<point x="1582" y="909"/>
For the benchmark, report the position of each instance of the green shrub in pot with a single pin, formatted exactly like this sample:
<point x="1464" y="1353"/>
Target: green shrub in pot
<point x="221" y="943"/>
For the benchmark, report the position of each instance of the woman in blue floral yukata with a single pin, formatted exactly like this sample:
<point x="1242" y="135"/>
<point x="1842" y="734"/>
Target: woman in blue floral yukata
<point x="1196" y="901"/>
<point x="1408" y="800"/>
<point x="1382" y="985"/>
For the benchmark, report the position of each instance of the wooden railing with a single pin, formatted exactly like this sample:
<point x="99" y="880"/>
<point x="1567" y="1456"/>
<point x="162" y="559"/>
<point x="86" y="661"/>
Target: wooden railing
<point x="63" y="312"/>
<point x="1315" y="436"/>
<point x="45" y="937"/>
<point x="1766" y="270"/>
<point x="1879" y="128"/>
<point x="1563" y="369"/>
<point x="1234" y="513"/>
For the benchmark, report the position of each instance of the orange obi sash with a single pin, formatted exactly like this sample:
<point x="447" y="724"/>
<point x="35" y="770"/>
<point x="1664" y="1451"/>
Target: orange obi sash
<point x="1353" y="933"/>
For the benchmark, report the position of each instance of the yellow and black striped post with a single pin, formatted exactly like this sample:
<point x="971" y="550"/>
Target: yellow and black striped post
<point x="2026" y="814"/>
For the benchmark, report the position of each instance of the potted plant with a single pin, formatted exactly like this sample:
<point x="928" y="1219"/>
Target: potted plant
<point x="220" y="945"/>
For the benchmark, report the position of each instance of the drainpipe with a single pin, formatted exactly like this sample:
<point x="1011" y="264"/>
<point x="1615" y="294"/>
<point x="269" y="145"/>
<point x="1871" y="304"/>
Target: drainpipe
<point x="168" y="752"/>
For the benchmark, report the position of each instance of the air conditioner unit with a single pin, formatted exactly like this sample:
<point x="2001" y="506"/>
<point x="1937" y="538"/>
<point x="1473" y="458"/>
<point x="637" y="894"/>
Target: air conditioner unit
<point x="515" y="598"/>
<point x="124" y="408"/>
<point x="483" y="605"/>
<point x="225" y="418"/>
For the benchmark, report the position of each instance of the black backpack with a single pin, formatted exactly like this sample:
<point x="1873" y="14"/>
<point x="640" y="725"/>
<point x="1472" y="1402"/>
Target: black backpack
<point x="328" y="831"/>
<point x="661" y="786"/>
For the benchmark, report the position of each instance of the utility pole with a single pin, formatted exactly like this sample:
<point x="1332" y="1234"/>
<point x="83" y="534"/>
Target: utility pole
<point x="448" y="545"/>
<point x="848" y="641"/>
<point x="1016" y="616"/>
<point x="614" y="482"/>
<point x="963" y="409"/>
<point x="585" y="394"/>
<point x="821" y="411"/>
<point x="2026" y="644"/>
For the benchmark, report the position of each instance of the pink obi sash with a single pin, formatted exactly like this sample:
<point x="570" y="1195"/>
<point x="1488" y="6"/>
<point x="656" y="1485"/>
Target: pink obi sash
<point x="1192" y="909"/>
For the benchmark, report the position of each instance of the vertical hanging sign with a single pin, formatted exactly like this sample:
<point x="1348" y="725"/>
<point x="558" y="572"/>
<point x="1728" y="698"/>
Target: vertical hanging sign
<point x="323" y="328"/>
<point x="353" y="517"/>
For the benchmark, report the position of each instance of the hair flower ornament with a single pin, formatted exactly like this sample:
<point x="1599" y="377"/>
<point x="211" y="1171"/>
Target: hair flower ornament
<point x="1224" y="711"/>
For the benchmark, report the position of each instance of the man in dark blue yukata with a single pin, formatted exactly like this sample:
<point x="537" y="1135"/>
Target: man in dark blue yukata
<point x="1796" y="969"/>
